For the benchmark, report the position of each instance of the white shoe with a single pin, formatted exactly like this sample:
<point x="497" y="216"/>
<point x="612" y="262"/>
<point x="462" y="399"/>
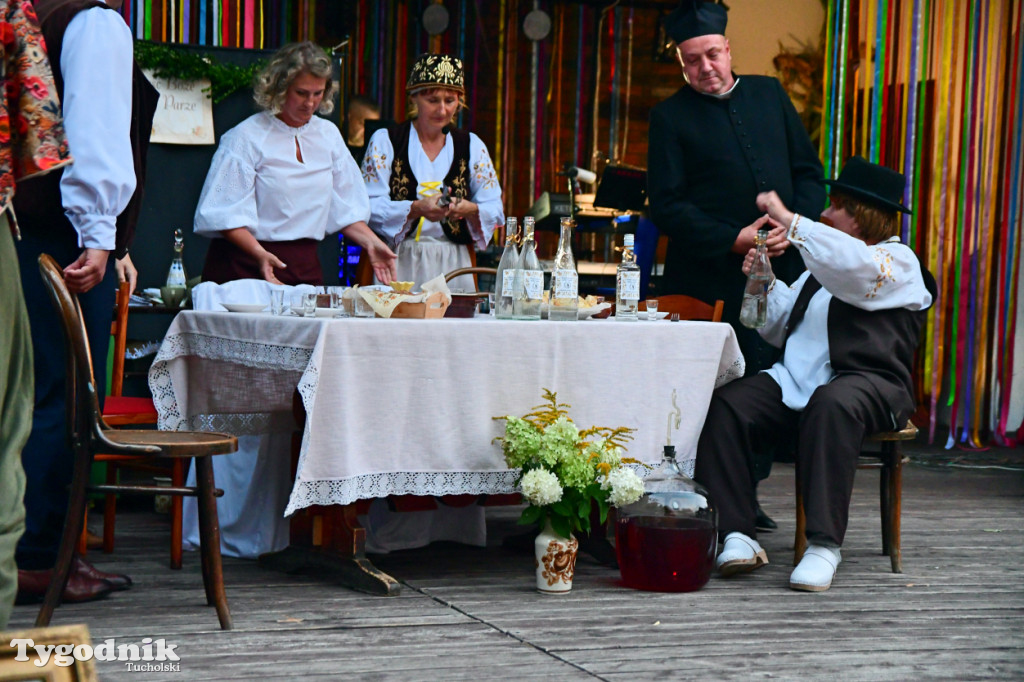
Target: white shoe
<point x="740" y="554"/>
<point x="816" y="570"/>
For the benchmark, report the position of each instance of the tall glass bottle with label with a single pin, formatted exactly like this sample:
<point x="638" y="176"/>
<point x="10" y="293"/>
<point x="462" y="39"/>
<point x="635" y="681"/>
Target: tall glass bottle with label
<point x="176" y="275"/>
<point x="754" y="311"/>
<point x="505" y="276"/>
<point x="563" y="302"/>
<point x="627" y="283"/>
<point x="528" y="282"/>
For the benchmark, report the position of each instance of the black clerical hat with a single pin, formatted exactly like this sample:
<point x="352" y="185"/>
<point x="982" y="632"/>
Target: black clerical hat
<point x="695" y="18"/>
<point x="871" y="183"/>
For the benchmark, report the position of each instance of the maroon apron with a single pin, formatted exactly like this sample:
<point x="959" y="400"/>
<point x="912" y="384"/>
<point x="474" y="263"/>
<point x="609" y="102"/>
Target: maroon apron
<point x="225" y="262"/>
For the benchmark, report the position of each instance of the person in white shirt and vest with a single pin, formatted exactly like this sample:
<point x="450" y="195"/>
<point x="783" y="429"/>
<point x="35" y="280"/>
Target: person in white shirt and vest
<point x="283" y="179"/>
<point x="80" y="216"/>
<point x="847" y="329"/>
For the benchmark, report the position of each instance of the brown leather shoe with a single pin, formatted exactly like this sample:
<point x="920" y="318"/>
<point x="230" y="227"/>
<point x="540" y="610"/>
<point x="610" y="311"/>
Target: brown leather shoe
<point x="32" y="587"/>
<point x="117" y="580"/>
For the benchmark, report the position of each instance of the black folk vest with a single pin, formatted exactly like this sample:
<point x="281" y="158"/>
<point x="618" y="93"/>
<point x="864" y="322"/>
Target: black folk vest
<point x="403" y="183"/>
<point x="878" y="345"/>
<point x="38" y="202"/>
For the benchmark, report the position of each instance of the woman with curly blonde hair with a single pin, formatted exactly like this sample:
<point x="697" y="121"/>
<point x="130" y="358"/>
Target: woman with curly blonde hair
<point x="283" y="179"/>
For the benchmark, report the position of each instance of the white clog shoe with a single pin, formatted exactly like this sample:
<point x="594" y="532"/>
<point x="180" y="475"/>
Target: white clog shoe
<point x="816" y="570"/>
<point x="740" y="554"/>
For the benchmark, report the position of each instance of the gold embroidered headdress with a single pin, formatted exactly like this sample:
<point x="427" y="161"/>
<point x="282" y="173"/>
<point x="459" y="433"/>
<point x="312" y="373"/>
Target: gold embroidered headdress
<point x="436" y="71"/>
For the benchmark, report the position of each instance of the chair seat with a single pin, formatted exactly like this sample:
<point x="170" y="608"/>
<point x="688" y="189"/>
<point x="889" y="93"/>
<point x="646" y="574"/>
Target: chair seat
<point x="177" y="443"/>
<point x="122" y="410"/>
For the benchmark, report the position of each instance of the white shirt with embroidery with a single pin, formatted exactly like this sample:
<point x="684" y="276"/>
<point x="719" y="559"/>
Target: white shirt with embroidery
<point x="884" y="276"/>
<point x="96" y="63"/>
<point x="390" y="219"/>
<point x="256" y="181"/>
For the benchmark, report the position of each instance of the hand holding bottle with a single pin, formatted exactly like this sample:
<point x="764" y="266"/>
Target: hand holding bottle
<point x="429" y="208"/>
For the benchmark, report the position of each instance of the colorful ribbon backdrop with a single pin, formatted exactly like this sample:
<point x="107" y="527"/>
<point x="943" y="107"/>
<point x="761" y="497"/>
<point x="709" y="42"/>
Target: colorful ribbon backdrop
<point x="937" y="94"/>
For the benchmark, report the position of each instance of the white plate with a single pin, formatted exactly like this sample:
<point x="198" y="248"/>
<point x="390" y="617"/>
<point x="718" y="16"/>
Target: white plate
<point x="245" y="307"/>
<point x="320" y="312"/>
<point x="643" y="315"/>
<point x="581" y="313"/>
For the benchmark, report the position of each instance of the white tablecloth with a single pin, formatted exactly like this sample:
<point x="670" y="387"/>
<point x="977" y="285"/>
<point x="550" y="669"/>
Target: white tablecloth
<point x="406" y="406"/>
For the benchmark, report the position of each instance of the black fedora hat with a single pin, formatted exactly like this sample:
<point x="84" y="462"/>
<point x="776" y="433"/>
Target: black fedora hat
<point x="871" y="183"/>
<point x="695" y="18"/>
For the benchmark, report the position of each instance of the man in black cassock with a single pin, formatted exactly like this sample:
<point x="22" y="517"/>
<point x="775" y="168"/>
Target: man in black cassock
<point x="714" y="145"/>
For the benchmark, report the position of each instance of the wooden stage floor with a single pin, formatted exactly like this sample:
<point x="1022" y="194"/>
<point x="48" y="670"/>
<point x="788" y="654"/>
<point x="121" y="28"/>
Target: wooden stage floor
<point x="957" y="611"/>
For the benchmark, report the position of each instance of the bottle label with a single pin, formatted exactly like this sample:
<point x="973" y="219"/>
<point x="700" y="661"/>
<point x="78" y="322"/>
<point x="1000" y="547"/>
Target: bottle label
<point x="564" y="284"/>
<point x="533" y="283"/>
<point x="629" y="286"/>
<point x="507" y="278"/>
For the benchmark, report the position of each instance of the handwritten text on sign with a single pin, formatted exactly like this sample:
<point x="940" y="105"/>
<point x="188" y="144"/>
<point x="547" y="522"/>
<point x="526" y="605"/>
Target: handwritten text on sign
<point x="184" y="114"/>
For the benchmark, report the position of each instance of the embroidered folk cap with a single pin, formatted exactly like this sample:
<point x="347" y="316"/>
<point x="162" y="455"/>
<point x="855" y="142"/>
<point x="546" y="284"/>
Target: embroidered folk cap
<point x="436" y="71"/>
<point x="695" y="18"/>
<point x="871" y="183"/>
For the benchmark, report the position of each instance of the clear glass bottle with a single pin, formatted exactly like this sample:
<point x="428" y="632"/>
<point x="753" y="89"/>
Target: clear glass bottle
<point x="563" y="302"/>
<point x="666" y="540"/>
<point x="528" y="282"/>
<point x="505" y="276"/>
<point x="176" y="275"/>
<point x="627" y="283"/>
<point x="754" y="311"/>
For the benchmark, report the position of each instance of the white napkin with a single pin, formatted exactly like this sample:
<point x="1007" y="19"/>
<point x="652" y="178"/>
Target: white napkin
<point x="210" y="296"/>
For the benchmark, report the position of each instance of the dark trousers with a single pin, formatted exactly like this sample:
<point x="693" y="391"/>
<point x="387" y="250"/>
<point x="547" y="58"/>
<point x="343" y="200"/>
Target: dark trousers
<point x="748" y="416"/>
<point x="47" y="457"/>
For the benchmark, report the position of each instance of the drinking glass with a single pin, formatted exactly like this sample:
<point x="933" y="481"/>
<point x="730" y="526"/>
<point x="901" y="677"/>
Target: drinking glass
<point x="277" y="303"/>
<point x="491" y="304"/>
<point x="362" y="308"/>
<point x="652" y="309"/>
<point x="309" y="305"/>
<point x="337" y="301"/>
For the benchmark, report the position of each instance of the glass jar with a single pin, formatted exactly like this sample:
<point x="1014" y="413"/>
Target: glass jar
<point x="666" y="540"/>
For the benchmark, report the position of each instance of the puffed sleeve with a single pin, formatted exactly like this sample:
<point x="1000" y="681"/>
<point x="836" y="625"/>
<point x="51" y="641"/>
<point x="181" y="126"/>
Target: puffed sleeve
<point x="228" y="199"/>
<point x="350" y="203"/>
<point x="484" y="190"/>
<point x="389" y="219"/>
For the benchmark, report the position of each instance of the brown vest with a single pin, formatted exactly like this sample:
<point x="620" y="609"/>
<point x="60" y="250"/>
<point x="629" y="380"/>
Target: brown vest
<point x="38" y="203"/>
<point x="403" y="183"/>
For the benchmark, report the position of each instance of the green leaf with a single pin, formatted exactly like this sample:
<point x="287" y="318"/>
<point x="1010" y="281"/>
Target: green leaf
<point x="531" y="514"/>
<point x="562" y="508"/>
<point x="561" y="525"/>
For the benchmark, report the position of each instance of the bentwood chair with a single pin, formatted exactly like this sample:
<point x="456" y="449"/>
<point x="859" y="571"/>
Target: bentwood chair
<point x="688" y="307"/>
<point x="89" y="434"/>
<point x="889" y="462"/>
<point x="120" y="410"/>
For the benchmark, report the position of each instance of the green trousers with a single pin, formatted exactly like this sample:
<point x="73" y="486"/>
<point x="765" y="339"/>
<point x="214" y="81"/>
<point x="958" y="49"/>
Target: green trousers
<point x="16" y="400"/>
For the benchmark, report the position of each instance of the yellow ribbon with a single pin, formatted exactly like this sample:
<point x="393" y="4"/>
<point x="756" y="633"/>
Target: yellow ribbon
<point x="424" y="190"/>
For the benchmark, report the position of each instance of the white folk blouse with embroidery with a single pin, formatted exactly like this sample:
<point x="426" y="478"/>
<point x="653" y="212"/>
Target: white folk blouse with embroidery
<point x="390" y="219"/>
<point x="256" y="181"/>
<point x="879" y="277"/>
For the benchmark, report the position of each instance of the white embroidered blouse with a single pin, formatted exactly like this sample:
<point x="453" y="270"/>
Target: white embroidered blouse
<point x="256" y="181"/>
<point x="879" y="277"/>
<point x="390" y="219"/>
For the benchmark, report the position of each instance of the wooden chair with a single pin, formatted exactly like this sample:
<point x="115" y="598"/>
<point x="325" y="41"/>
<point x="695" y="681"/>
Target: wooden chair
<point x="120" y="410"/>
<point x="474" y="270"/>
<point x="688" y="307"/>
<point x="889" y="461"/>
<point x="89" y="434"/>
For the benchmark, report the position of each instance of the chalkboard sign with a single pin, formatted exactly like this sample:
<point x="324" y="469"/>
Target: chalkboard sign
<point x="174" y="179"/>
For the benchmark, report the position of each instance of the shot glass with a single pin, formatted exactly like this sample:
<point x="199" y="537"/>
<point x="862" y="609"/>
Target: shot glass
<point x="338" y="301"/>
<point x="362" y="308"/>
<point x="652" y="309"/>
<point x="492" y="304"/>
<point x="277" y="303"/>
<point x="309" y="305"/>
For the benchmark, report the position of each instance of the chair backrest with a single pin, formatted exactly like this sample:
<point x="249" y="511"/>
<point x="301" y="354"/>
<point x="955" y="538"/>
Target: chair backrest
<point x="469" y="271"/>
<point x="688" y="307"/>
<point x="119" y="330"/>
<point x="82" y="396"/>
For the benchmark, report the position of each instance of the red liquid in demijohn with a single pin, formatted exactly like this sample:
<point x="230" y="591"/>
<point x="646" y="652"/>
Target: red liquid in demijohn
<point x="665" y="554"/>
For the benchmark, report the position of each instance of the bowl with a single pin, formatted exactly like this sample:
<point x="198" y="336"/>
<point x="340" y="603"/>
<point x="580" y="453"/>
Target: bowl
<point x="402" y="287"/>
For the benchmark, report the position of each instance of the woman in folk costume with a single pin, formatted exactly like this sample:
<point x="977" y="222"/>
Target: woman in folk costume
<point x="412" y="169"/>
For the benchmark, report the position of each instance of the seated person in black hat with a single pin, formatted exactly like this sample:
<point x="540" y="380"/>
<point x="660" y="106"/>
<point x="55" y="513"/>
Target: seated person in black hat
<point x="848" y="328"/>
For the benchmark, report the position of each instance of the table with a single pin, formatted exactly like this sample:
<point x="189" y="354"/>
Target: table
<point x="406" y="407"/>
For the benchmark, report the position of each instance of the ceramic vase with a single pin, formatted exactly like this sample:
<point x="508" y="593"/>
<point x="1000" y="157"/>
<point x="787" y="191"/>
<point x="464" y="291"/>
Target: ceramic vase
<point x="555" y="560"/>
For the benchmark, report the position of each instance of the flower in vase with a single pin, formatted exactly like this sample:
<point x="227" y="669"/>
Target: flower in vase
<point x="566" y="472"/>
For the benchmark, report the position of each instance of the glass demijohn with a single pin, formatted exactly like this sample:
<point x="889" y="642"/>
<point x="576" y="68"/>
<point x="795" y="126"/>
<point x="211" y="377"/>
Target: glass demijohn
<point x="627" y="283"/>
<point x="666" y="540"/>
<point x="506" y="274"/>
<point x="176" y="275"/>
<point x="528" y="282"/>
<point x="754" y="311"/>
<point x="563" y="302"/>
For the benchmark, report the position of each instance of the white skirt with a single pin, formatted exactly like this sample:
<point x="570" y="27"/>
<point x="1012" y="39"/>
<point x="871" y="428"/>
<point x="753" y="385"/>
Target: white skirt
<point x="423" y="260"/>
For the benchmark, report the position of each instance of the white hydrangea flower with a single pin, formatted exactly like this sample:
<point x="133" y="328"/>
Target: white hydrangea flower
<point x="626" y="487"/>
<point x="541" y="487"/>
